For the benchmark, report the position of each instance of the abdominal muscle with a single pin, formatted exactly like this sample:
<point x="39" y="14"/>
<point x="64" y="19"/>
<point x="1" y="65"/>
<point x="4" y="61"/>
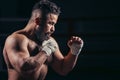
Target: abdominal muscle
<point x="38" y="75"/>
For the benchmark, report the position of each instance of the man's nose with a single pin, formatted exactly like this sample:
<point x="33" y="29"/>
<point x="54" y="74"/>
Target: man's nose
<point x="52" y="29"/>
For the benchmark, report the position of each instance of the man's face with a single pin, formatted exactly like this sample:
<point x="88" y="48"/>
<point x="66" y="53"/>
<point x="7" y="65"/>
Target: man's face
<point x="47" y="27"/>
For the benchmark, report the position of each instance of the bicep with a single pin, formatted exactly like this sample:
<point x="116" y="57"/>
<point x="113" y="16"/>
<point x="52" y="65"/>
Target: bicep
<point x="16" y="52"/>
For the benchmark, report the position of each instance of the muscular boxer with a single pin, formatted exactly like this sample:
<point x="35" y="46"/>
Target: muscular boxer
<point x="28" y="52"/>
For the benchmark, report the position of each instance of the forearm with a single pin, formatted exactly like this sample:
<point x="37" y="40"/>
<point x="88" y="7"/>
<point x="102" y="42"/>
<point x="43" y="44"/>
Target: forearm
<point x="75" y="44"/>
<point x="33" y="63"/>
<point x="68" y="63"/>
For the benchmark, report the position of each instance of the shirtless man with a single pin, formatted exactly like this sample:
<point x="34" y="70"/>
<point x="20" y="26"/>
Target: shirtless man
<point x="28" y="52"/>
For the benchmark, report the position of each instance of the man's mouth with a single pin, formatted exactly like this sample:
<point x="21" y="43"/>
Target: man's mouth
<point x="48" y="34"/>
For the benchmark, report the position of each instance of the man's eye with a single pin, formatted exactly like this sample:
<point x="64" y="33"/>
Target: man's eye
<point x="51" y="23"/>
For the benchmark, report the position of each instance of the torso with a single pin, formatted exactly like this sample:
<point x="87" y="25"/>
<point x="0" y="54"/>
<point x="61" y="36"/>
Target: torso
<point x="33" y="48"/>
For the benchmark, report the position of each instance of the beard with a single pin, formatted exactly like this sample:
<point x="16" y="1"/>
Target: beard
<point x="41" y="36"/>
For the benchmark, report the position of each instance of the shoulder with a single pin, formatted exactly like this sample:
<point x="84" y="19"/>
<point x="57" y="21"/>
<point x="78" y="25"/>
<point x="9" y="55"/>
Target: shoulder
<point x="14" y="39"/>
<point x="17" y="37"/>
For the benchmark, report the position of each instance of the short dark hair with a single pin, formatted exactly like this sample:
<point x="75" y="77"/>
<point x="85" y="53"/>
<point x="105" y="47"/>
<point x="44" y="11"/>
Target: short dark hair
<point x="47" y="7"/>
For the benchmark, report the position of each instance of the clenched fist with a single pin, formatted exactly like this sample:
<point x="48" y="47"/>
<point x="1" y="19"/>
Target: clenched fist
<point x="75" y="44"/>
<point x="49" y="46"/>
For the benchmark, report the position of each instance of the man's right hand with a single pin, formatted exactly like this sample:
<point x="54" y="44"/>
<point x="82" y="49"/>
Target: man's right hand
<point x="75" y="44"/>
<point x="49" y="46"/>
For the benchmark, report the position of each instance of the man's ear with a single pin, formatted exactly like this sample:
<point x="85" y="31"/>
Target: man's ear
<point x="37" y="20"/>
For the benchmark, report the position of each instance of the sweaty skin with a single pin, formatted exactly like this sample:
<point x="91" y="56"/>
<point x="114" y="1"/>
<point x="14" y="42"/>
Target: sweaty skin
<point x="24" y="58"/>
<point x="22" y="45"/>
<point x="31" y="49"/>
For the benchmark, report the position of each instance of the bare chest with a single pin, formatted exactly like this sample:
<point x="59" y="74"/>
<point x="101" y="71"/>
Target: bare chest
<point x="33" y="48"/>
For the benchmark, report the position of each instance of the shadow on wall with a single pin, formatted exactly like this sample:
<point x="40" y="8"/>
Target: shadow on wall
<point x="2" y="62"/>
<point x="0" y="58"/>
<point x="3" y="69"/>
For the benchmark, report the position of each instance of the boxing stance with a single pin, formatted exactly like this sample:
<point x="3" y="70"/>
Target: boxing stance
<point x="28" y="52"/>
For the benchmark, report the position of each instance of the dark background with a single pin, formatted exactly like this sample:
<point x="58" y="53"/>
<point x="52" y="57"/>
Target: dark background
<point x="97" y="22"/>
